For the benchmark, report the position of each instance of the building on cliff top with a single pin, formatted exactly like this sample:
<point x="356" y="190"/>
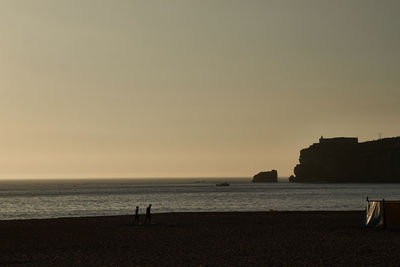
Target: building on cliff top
<point x="339" y="140"/>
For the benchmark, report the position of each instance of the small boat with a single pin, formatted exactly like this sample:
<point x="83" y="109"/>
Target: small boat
<point x="223" y="184"/>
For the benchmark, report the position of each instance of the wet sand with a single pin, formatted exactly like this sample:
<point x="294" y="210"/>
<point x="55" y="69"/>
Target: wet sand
<point x="200" y="239"/>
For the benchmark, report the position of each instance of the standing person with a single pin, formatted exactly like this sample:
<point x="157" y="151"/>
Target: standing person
<point x="136" y="221"/>
<point x="148" y="215"/>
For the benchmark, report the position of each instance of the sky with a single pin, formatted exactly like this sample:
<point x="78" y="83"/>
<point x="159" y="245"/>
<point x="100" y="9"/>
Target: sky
<point x="184" y="88"/>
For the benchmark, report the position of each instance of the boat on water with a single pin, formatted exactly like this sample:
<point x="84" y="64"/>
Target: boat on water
<point x="223" y="184"/>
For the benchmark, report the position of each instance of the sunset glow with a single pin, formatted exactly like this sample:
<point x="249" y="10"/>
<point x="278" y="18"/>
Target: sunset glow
<point x="93" y="89"/>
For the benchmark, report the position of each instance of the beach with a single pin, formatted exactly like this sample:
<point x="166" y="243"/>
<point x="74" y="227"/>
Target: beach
<point x="331" y="238"/>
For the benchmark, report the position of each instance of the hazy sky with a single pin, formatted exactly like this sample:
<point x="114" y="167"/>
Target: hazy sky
<point x="128" y="88"/>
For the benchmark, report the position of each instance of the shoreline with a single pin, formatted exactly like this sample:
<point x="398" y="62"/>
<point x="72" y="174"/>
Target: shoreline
<point x="301" y="238"/>
<point x="177" y="213"/>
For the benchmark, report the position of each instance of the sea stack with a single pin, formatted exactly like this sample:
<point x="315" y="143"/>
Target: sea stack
<point x="266" y="177"/>
<point x="344" y="159"/>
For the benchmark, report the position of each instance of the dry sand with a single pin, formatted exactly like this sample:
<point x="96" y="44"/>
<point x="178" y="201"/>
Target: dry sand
<point x="200" y="239"/>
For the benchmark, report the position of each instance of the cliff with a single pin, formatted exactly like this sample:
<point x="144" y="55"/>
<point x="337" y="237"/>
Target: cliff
<point x="266" y="177"/>
<point x="346" y="160"/>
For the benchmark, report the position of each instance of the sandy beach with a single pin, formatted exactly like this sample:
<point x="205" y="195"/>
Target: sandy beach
<point x="200" y="239"/>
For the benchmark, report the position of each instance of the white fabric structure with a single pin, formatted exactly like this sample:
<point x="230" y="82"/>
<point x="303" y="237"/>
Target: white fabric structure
<point x="382" y="214"/>
<point x="374" y="214"/>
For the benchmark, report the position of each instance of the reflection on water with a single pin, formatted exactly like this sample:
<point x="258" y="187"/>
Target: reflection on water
<point x="47" y="199"/>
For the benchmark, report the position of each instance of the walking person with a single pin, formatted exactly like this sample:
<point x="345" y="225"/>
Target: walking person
<point x="148" y="215"/>
<point x="136" y="221"/>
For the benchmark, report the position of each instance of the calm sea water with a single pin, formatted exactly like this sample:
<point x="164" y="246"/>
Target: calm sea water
<point x="65" y="198"/>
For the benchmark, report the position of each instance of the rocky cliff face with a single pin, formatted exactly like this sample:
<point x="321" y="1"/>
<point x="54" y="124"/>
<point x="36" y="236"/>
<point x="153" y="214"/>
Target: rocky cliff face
<point x="346" y="160"/>
<point x="266" y="177"/>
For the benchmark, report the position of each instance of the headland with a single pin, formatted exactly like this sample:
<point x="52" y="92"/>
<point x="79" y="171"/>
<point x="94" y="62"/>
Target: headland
<point x="345" y="160"/>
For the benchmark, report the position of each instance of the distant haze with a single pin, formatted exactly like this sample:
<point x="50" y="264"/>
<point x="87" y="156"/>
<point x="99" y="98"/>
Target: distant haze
<point x="96" y="88"/>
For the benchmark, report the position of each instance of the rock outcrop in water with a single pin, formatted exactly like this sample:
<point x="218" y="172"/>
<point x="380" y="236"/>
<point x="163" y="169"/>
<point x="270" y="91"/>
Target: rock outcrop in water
<point x="346" y="160"/>
<point x="266" y="177"/>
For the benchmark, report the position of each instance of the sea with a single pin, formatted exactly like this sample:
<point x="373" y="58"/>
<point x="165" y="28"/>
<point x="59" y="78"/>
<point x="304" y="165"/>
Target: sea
<point x="34" y="199"/>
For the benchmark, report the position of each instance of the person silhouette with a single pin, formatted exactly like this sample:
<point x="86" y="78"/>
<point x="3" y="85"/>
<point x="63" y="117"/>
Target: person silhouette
<point x="148" y="215"/>
<point x="136" y="221"/>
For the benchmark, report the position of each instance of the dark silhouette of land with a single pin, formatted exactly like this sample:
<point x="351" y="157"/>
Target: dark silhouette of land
<point x="266" y="177"/>
<point x="200" y="239"/>
<point x="346" y="160"/>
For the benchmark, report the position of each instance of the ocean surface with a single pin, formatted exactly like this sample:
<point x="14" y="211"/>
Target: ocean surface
<point x="67" y="198"/>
